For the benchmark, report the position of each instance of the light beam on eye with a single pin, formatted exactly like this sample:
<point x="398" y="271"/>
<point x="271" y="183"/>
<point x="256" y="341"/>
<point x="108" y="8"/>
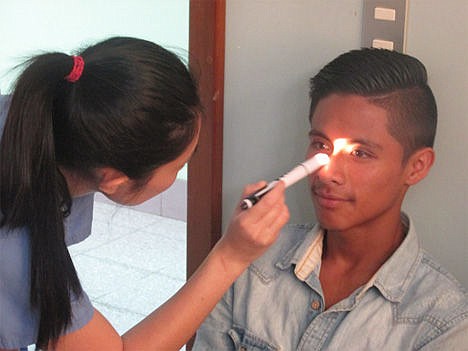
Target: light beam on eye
<point x="341" y="144"/>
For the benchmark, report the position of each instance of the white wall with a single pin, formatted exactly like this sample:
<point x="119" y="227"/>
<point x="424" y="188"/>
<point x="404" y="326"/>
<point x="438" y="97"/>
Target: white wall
<point x="28" y="27"/>
<point x="437" y="34"/>
<point x="273" y="48"/>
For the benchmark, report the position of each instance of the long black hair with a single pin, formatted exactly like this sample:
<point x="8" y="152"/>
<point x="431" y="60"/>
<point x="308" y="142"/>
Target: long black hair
<point x="134" y="108"/>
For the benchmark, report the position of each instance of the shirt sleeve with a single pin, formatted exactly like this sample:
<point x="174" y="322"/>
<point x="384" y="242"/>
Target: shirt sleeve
<point x="456" y="338"/>
<point x="82" y="312"/>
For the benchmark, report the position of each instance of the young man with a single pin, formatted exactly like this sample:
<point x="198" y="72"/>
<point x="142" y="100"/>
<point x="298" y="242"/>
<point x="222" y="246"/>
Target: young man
<point x="357" y="280"/>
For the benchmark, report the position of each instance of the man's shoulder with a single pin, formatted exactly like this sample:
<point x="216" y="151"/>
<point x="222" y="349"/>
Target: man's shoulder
<point x="434" y="296"/>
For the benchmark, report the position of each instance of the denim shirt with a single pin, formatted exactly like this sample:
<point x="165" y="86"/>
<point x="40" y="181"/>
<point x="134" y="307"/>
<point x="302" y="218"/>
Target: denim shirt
<point x="411" y="303"/>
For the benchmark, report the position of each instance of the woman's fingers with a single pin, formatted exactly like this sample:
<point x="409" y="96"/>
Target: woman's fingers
<point x="253" y="230"/>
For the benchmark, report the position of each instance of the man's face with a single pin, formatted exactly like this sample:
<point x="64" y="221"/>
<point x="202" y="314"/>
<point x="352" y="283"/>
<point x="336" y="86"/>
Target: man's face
<point x="364" y="183"/>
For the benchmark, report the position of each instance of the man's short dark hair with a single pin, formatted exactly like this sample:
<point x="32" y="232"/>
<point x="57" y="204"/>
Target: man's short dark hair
<point x="389" y="79"/>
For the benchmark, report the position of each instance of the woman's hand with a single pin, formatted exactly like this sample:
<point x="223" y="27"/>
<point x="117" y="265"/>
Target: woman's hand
<point x="249" y="234"/>
<point x="252" y="231"/>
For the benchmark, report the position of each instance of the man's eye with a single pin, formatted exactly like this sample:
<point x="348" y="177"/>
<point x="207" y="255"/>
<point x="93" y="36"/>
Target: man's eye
<point x="319" y="146"/>
<point x="360" y="153"/>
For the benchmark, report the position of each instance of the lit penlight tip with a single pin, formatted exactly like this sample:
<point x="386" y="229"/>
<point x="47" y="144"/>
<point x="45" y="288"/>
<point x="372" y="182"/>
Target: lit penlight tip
<point x="322" y="159"/>
<point x="316" y="162"/>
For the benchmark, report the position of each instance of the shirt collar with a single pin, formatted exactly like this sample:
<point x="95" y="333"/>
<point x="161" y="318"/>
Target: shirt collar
<point x="393" y="277"/>
<point x="299" y="251"/>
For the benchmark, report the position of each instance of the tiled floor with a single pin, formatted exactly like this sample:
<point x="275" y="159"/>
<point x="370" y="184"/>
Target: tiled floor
<point x="132" y="262"/>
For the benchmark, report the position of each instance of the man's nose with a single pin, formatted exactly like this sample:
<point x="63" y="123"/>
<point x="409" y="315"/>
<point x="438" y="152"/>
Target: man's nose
<point x="334" y="171"/>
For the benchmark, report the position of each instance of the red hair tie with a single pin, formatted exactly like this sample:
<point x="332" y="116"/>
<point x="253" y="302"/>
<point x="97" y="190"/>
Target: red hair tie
<point x="77" y="70"/>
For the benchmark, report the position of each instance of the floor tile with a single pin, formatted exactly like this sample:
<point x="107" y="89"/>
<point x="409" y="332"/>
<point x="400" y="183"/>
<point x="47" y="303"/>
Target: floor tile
<point x="131" y="263"/>
<point x="145" y="251"/>
<point x="100" y="277"/>
<point x="143" y="296"/>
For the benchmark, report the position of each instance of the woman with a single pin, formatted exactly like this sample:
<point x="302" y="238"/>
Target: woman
<point x="121" y="118"/>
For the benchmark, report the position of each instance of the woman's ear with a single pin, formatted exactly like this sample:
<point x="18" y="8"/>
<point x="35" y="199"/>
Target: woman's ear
<point x="419" y="164"/>
<point x="110" y="180"/>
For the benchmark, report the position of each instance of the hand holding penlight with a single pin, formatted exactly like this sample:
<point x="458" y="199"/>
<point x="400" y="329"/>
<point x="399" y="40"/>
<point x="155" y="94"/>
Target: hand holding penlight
<point x="297" y="173"/>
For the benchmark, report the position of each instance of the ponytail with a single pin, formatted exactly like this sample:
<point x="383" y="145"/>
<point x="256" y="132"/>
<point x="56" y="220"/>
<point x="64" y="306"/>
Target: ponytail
<point x="34" y="193"/>
<point x="134" y="107"/>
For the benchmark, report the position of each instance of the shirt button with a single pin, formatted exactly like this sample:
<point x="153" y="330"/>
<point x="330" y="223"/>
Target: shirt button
<point x="315" y="305"/>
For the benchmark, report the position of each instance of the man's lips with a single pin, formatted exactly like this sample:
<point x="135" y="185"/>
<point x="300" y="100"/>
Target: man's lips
<point x="328" y="199"/>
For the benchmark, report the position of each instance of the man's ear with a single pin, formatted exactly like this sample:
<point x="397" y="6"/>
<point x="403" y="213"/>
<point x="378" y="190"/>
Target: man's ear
<point x="110" y="180"/>
<point x="419" y="164"/>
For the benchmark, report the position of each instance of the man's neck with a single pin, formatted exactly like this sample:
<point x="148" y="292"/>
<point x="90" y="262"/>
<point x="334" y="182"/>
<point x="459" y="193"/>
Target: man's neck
<point x="351" y="258"/>
<point x="372" y="243"/>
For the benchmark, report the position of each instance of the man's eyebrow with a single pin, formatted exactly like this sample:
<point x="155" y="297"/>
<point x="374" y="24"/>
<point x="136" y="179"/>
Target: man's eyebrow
<point x="314" y="132"/>
<point x="360" y="141"/>
<point x="365" y="142"/>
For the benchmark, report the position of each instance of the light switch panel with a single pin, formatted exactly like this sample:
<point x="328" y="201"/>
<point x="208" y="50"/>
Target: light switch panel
<point x="384" y="14"/>
<point x="384" y="24"/>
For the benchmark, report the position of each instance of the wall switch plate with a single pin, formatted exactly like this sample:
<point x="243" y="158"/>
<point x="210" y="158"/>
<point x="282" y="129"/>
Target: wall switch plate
<point x="384" y="24"/>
